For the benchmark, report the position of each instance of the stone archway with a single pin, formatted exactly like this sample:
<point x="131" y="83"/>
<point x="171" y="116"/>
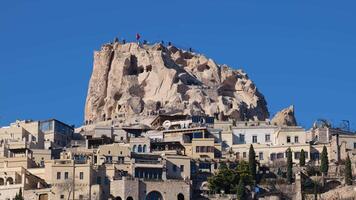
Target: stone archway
<point x="154" y="195"/>
<point x="10" y="181"/>
<point x="117" y="198"/>
<point x="129" y="198"/>
<point x="2" y="181"/>
<point x="180" y="196"/>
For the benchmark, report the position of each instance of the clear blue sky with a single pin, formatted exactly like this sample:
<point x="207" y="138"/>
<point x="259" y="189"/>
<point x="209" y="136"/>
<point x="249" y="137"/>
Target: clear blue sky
<point x="300" y="53"/>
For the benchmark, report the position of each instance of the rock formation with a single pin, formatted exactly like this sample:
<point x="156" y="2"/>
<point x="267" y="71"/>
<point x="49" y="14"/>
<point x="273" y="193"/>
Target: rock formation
<point x="131" y="79"/>
<point x="285" y="117"/>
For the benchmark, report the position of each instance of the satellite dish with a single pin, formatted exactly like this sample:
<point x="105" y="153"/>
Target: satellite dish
<point x="202" y="120"/>
<point x="167" y="124"/>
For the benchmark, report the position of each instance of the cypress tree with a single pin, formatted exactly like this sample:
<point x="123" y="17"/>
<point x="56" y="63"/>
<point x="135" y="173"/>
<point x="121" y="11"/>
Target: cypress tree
<point x="324" y="165"/>
<point x="252" y="162"/>
<point x="302" y="158"/>
<point x="289" y="166"/>
<point x="241" y="190"/>
<point x="19" y="196"/>
<point x="348" y="171"/>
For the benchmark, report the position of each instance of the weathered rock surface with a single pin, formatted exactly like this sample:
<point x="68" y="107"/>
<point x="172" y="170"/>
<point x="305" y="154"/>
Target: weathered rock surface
<point x="285" y="117"/>
<point x="131" y="79"/>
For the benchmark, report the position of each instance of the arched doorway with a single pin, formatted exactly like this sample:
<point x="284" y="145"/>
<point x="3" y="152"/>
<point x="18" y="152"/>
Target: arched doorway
<point x="117" y="198"/>
<point x="180" y="196"/>
<point x="10" y="181"/>
<point x="2" y="182"/>
<point x="154" y="195"/>
<point x="129" y="198"/>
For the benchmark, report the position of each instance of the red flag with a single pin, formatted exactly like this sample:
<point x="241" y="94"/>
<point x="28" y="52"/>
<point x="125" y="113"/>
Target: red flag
<point x="138" y="36"/>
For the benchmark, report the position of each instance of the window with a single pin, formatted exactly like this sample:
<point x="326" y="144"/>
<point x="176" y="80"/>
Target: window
<point x="174" y="168"/>
<point x="354" y="145"/>
<point x="244" y="155"/>
<point x="260" y="155"/>
<point x="58" y="175"/>
<point x="62" y="196"/>
<point x="242" y="138"/>
<point x="288" y="139"/>
<point x="273" y="156"/>
<point x="296" y="139"/>
<point x="109" y="152"/>
<point x="267" y="137"/>
<point x="280" y="155"/>
<point x="65" y="175"/>
<point x="98" y="180"/>
<point x="297" y="155"/>
<point x="182" y="168"/>
<point x="197" y="149"/>
<point x="254" y="139"/>
<point x="121" y="138"/>
<point x="81" y="197"/>
<point x="108" y="159"/>
<point x="81" y="175"/>
<point x="237" y="155"/>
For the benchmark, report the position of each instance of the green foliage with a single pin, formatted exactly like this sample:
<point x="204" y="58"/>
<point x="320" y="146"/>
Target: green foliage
<point x="252" y="162"/>
<point x="241" y="194"/>
<point x="19" y="196"/>
<point x="289" y="166"/>
<point x="348" y="171"/>
<point x="225" y="179"/>
<point x="243" y="169"/>
<point x="324" y="166"/>
<point x="302" y="158"/>
<point x="313" y="171"/>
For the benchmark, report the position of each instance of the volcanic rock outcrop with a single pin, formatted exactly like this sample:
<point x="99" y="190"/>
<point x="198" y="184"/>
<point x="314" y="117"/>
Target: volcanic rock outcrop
<point x="285" y="117"/>
<point x="131" y="79"/>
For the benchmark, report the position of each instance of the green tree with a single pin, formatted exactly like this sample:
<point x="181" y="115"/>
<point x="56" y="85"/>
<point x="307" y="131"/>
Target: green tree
<point x="225" y="179"/>
<point x="252" y="162"/>
<point x="324" y="165"/>
<point x="302" y="158"/>
<point x="241" y="194"/>
<point x="348" y="171"/>
<point x="289" y="166"/>
<point x="243" y="169"/>
<point x="19" y="196"/>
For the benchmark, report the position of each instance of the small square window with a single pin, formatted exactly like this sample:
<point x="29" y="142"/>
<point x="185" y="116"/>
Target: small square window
<point x="62" y="196"/>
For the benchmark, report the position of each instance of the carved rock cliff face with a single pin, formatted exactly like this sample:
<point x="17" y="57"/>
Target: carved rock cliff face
<point x="285" y="117"/>
<point x="130" y="80"/>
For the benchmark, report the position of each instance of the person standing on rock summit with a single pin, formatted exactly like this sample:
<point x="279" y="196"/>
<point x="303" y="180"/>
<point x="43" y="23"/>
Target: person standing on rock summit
<point x="138" y="36"/>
